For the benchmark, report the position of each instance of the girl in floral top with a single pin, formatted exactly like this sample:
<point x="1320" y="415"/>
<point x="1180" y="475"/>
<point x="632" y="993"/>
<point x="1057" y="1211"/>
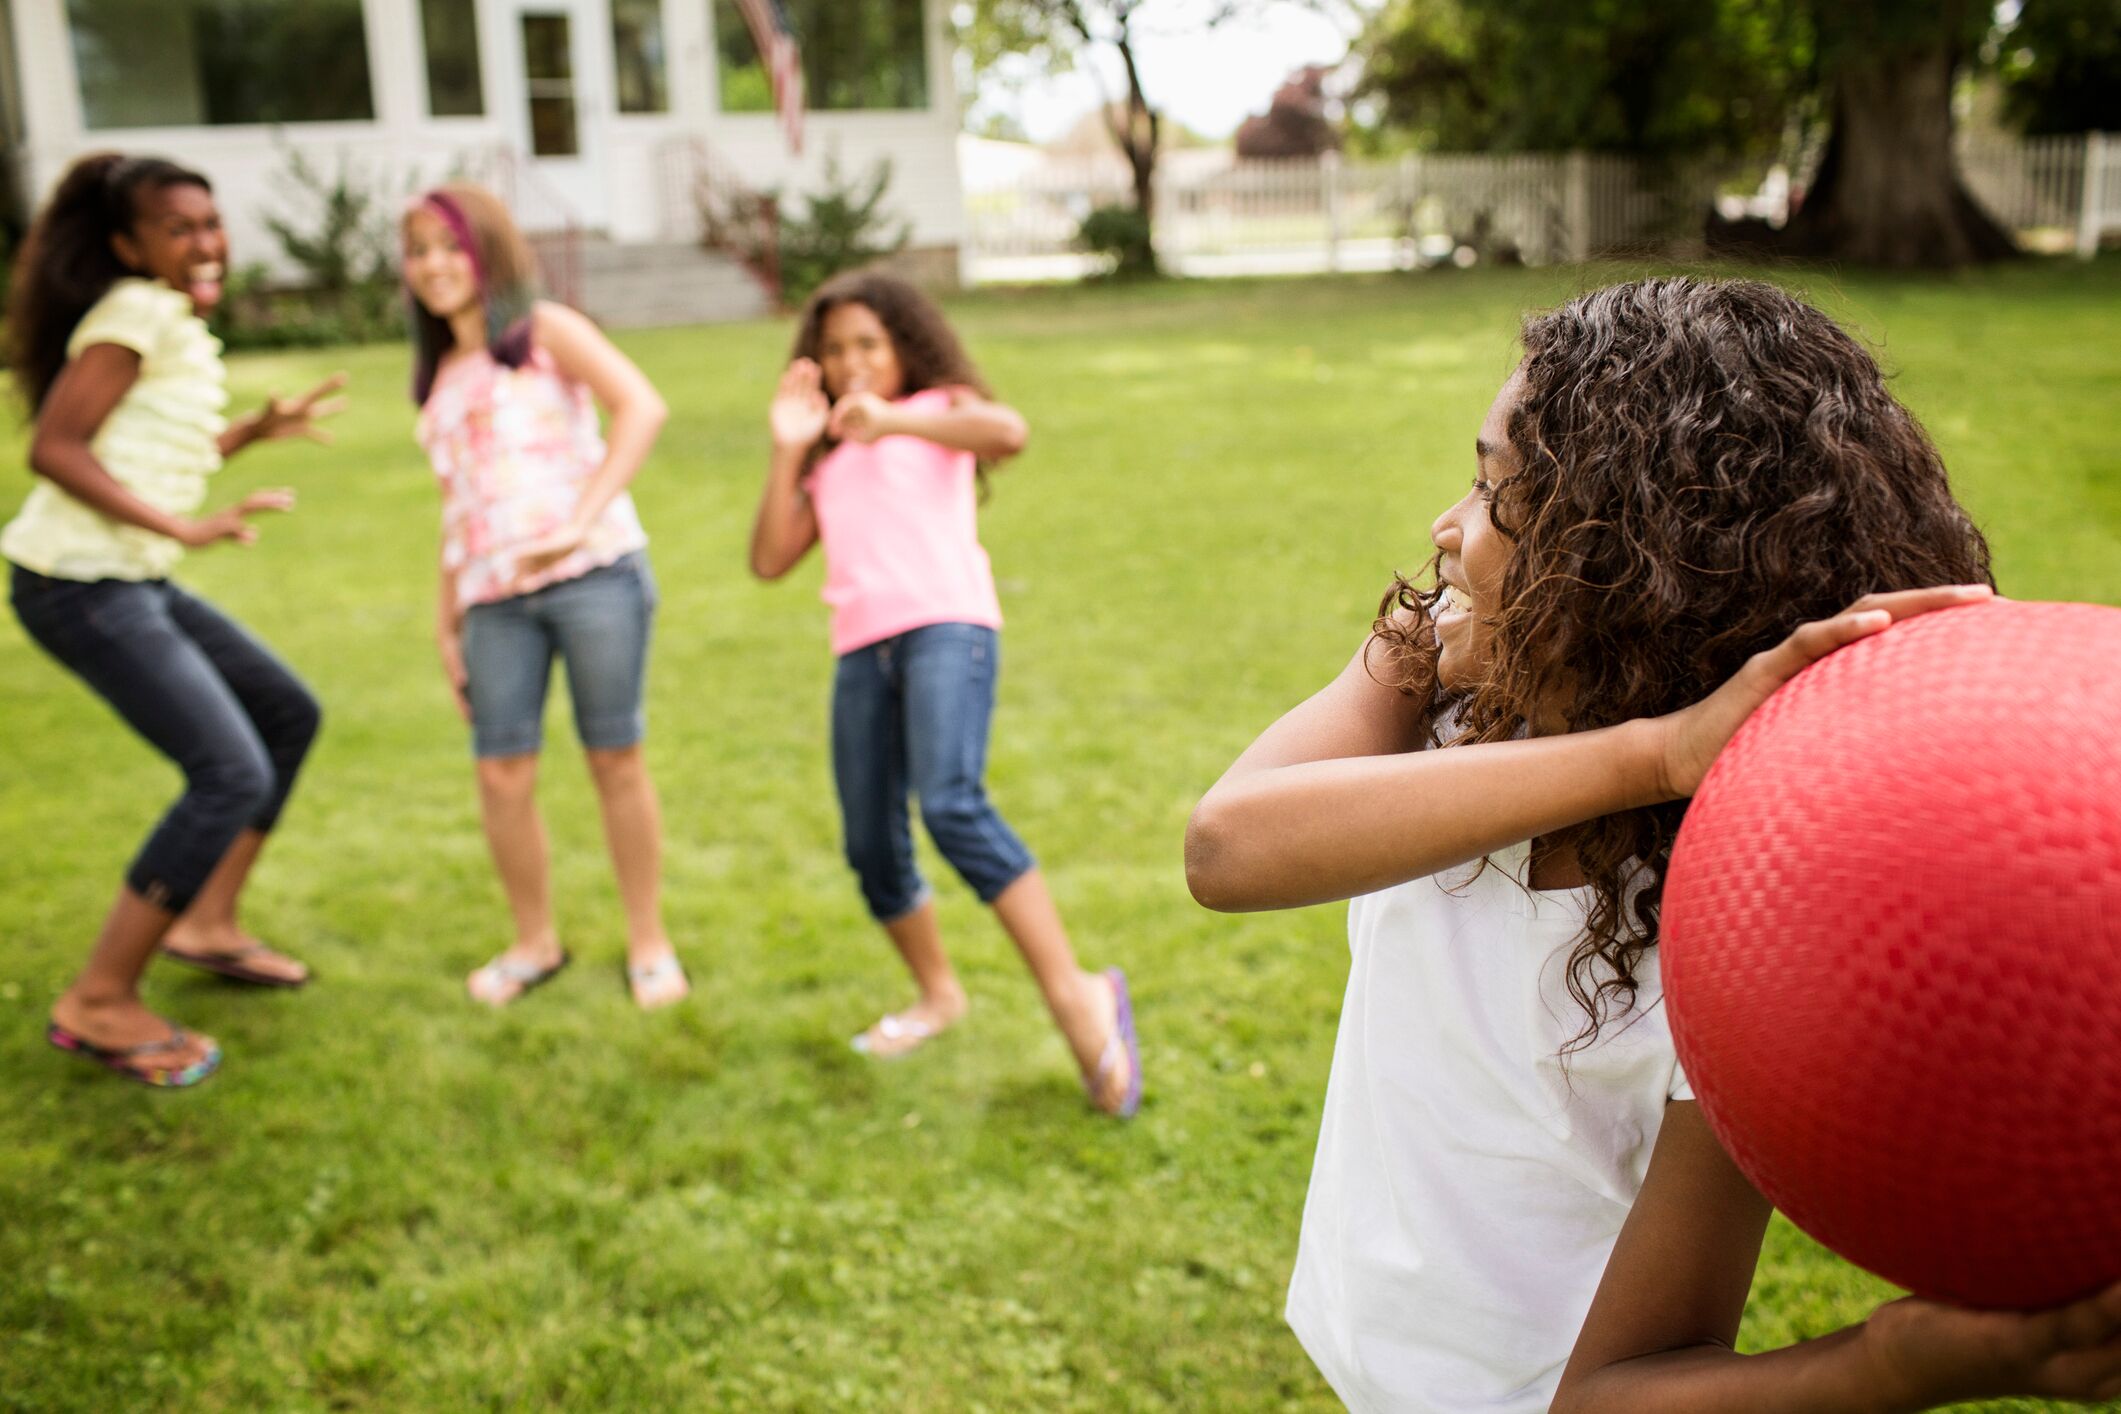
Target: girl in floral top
<point x="543" y="556"/>
<point x="110" y="350"/>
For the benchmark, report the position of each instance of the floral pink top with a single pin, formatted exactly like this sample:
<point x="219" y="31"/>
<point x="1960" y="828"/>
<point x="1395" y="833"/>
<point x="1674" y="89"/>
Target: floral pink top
<point x="514" y="448"/>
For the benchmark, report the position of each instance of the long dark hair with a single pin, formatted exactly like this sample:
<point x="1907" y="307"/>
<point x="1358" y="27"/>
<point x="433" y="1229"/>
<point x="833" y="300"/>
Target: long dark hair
<point x="929" y="354"/>
<point x="507" y="278"/>
<point x="1704" y="466"/>
<point x="66" y="262"/>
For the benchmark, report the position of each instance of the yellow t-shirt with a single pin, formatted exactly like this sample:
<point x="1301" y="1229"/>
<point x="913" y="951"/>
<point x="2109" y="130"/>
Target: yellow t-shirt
<point x="160" y="442"/>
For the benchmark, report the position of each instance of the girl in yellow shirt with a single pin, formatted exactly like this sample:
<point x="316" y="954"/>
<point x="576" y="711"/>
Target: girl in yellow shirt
<point x="109" y="348"/>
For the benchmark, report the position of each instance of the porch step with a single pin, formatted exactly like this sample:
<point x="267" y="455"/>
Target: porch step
<point x="640" y="286"/>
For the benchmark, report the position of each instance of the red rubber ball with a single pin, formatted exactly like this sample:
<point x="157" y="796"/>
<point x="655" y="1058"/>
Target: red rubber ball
<point x="1891" y="948"/>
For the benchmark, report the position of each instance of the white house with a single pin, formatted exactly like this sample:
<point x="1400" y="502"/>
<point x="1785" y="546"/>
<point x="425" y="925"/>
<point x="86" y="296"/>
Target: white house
<point x="596" y="118"/>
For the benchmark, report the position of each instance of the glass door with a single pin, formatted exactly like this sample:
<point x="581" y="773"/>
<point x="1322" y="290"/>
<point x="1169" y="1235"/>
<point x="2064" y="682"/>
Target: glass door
<point x="559" y="119"/>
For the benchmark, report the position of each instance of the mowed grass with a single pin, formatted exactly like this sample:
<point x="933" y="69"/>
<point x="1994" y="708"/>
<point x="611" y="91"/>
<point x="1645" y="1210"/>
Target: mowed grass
<point x="391" y="1199"/>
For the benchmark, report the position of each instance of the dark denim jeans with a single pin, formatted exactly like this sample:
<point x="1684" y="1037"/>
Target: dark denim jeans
<point x="911" y="713"/>
<point x="202" y="691"/>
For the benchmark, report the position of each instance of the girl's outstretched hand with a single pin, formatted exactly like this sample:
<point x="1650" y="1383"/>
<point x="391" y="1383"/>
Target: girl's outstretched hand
<point x="298" y="417"/>
<point x="1691" y="738"/>
<point x="234" y="522"/>
<point x="800" y="408"/>
<point x="1929" y="1353"/>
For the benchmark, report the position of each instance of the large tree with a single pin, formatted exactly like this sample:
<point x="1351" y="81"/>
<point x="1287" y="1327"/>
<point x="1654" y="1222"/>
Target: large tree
<point x="1646" y="77"/>
<point x="1887" y="191"/>
<point x="1717" y="77"/>
<point x="2061" y="66"/>
<point x="1054" y="36"/>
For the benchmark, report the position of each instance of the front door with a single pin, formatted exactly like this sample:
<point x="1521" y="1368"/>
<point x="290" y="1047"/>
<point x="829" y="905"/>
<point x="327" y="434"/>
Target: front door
<point x="559" y="118"/>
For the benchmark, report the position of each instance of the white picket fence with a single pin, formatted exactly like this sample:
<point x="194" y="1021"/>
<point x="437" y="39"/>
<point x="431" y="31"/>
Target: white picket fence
<point x="1216" y="215"/>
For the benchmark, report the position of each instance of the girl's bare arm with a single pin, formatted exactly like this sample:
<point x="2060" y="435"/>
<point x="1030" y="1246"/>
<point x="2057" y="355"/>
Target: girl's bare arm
<point x="1660" y="1332"/>
<point x="86" y="391"/>
<point x="1300" y="818"/>
<point x="989" y="430"/>
<point x="786" y="526"/>
<point x="637" y="413"/>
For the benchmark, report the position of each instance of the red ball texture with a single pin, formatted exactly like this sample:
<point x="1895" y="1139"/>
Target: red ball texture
<point x="1891" y="949"/>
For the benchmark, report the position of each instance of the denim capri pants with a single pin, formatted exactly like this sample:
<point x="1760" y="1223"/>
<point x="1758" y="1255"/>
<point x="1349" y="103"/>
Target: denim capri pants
<point x="597" y="624"/>
<point x="911" y="713"/>
<point x="199" y="689"/>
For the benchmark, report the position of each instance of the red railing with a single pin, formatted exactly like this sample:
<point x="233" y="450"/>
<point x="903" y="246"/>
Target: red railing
<point x="704" y="198"/>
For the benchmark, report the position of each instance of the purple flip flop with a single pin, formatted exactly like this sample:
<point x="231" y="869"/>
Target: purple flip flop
<point x="1122" y="1041"/>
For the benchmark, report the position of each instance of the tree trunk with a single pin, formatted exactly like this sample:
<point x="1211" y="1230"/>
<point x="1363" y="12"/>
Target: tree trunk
<point x="1139" y="132"/>
<point x="1888" y="190"/>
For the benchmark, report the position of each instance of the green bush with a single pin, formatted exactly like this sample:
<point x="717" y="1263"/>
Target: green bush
<point x="1120" y="235"/>
<point x="258" y="313"/>
<point x="341" y="237"/>
<point x="840" y="227"/>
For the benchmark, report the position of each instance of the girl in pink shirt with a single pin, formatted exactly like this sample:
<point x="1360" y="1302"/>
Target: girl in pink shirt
<point x="879" y="426"/>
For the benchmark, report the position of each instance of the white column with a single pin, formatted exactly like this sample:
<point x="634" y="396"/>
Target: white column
<point x="51" y="94"/>
<point x="397" y="66"/>
<point x="1329" y="188"/>
<point x="2091" y="208"/>
<point x="1576" y="207"/>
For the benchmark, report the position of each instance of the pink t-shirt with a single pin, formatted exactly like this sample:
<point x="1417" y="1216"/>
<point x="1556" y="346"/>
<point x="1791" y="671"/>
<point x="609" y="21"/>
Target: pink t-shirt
<point x="900" y="523"/>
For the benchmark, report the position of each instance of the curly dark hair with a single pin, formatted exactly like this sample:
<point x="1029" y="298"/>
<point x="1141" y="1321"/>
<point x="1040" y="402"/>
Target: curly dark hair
<point x="929" y="354"/>
<point x="66" y="262"/>
<point x="1704" y="465"/>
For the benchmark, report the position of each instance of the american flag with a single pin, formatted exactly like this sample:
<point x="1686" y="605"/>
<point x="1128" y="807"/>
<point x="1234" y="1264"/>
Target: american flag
<point x="775" y="37"/>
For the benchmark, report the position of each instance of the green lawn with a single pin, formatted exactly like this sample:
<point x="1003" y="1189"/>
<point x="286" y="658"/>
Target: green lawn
<point x="391" y="1200"/>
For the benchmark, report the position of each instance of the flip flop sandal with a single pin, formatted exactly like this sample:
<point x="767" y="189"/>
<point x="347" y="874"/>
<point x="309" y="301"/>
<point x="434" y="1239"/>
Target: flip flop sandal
<point x="231" y="965"/>
<point x="653" y="977"/>
<point x="128" y="1061"/>
<point x="525" y="975"/>
<point x="1122" y="1041"/>
<point x="915" y="1034"/>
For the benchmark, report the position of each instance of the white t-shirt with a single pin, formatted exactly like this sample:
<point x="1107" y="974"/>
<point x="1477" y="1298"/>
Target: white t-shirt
<point x="1469" y="1185"/>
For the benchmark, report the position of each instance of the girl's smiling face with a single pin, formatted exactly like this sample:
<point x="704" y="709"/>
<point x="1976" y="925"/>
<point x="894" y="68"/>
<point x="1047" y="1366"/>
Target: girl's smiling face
<point x="857" y="355"/>
<point x="1471" y="553"/>
<point x="176" y="238"/>
<point x="438" y="271"/>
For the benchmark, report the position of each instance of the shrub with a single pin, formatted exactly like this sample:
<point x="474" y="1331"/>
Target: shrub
<point x="1120" y="236"/>
<point x="341" y="237"/>
<point x="840" y="226"/>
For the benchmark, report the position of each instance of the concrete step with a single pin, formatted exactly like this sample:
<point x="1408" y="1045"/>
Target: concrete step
<point x="638" y="286"/>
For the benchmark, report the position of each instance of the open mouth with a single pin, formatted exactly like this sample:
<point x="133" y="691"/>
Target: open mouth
<point x="203" y="281"/>
<point x="1456" y="600"/>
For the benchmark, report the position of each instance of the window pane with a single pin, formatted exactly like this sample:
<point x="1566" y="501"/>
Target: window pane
<point x="545" y="48"/>
<point x="637" y="47"/>
<point x="552" y="129"/>
<point x="548" y="74"/>
<point x="451" y="28"/>
<point x="153" y="62"/>
<point x="856" y="54"/>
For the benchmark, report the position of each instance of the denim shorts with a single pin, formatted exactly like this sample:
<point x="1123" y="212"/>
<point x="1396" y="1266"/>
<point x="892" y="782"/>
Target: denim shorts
<point x="910" y="716"/>
<point x="597" y="624"/>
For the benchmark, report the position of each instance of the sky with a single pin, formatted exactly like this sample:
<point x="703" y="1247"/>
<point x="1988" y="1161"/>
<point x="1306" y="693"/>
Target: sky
<point x="1209" y="81"/>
